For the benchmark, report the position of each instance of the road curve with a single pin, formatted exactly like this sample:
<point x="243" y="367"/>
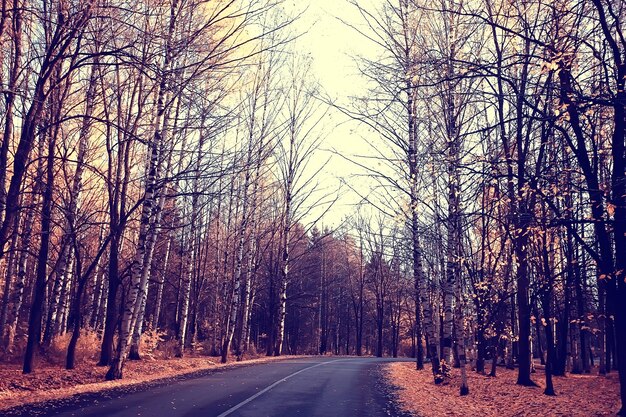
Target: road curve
<point x="307" y="387"/>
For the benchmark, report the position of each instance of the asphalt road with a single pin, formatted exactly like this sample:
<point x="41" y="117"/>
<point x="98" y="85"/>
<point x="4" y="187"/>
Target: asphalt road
<point x="321" y="387"/>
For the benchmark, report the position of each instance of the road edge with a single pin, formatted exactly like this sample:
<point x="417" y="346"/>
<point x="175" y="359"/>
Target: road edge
<point x="57" y="405"/>
<point x="391" y="392"/>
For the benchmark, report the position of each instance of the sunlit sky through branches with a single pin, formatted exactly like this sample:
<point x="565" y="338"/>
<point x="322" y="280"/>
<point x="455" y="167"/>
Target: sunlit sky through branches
<point x="327" y="35"/>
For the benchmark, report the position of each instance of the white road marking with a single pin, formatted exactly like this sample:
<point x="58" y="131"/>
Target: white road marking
<point x="266" y="389"/>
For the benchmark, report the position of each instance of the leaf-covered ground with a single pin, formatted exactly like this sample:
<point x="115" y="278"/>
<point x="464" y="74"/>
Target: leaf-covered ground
<point x="55" y="382"/>
<point x="577" y="395"/>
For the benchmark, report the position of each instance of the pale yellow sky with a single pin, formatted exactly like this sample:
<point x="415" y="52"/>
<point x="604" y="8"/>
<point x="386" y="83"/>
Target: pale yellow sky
<point x="332" y="46"/>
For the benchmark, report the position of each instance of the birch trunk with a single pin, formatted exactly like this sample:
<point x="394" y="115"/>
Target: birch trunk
<point x="429" y="325"/>
<point x="159" y="296"/>
<point x="60" y="325"/>
<point x="183" y="316"/>
<point x="152" y="234"/>
<point x="284" y="263"/>
<point x="55" y="296"/>
<point x="252" y="249"/>
<point x="225" y="313"/>
<point x="413" y="181"/>
<point x="216" y="279"/>
<point x="8" y="282"/>
<point x="22" y="262"/>
<point x="242" y="231"/>
<point x="132" y="307"/>
<point x="192" y="249"/>
<point x="98" y="290"/>
<point x="460" y="339"/>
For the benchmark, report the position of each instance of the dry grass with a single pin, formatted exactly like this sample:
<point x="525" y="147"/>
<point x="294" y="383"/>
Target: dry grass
<point x="577" y="395"/>
<point x="51" y="382"/>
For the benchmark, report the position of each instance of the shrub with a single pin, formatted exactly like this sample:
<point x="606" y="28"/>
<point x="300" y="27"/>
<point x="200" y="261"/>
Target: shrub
<point x="87" y="348"/>
<point x="152" y="342"/>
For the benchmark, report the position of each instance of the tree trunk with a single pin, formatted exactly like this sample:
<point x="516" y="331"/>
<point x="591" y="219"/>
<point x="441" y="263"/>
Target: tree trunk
<point x="549" y="390"/>
<point x="138" y="280"/>
<point x="34" y="321"/>
<point x="8" y="281"/>
<point x="160" y="285"/>
<point x="110" y="323"/>
<point x="22" y="262"/>
<point x="10" y="94"/>
<point x="236" y="295"/>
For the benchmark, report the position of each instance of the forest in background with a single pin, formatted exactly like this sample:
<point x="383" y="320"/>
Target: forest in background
<point x="160" y="172"/>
